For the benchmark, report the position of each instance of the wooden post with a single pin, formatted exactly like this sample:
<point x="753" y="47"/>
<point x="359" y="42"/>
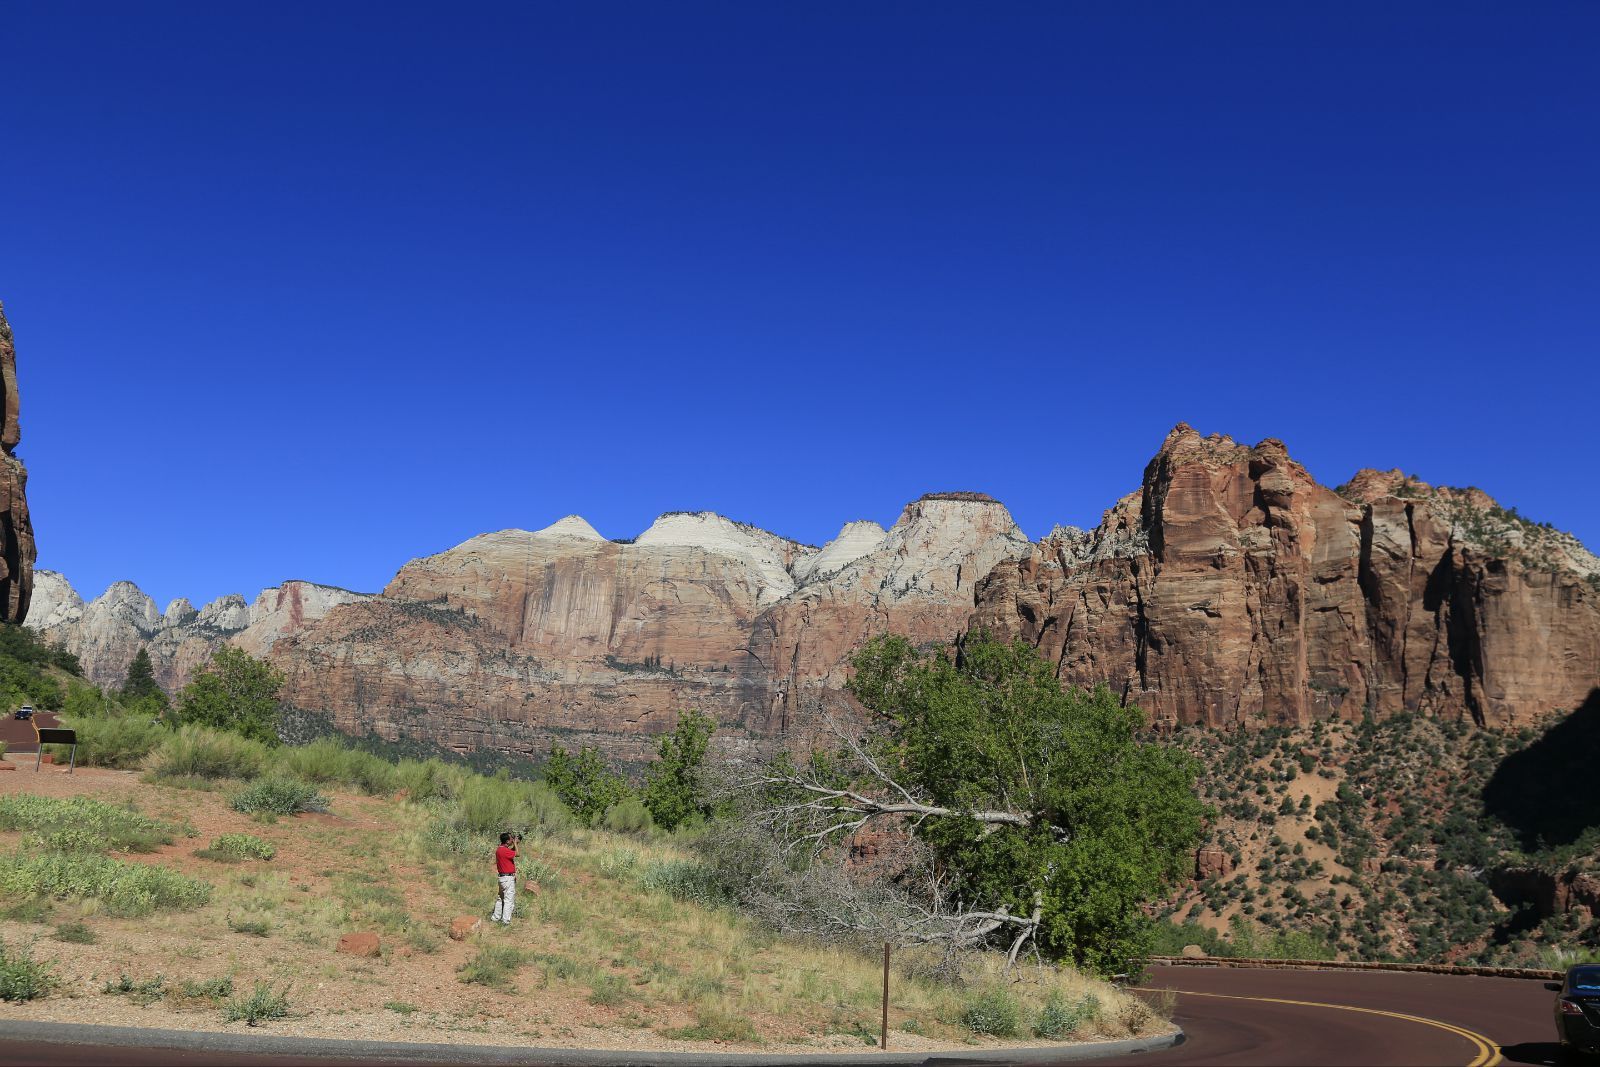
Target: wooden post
<point x="884" y="1040"/>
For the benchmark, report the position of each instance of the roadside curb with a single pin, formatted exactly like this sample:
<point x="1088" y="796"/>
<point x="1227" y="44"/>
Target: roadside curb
<point x="399" y="1052"/>
<point x="1350" y="965"/>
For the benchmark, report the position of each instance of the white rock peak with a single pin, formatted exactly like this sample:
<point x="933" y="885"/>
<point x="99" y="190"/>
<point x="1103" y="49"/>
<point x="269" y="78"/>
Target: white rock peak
<point x="575" y="526"/>
<point x="769" y="554"/>
<point x="855" y="539"/>
<point x="55" y="602"/>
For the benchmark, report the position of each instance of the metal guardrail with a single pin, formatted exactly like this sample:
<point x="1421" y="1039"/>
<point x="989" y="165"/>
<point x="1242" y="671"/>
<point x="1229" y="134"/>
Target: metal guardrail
<point x="1351" y="965"/>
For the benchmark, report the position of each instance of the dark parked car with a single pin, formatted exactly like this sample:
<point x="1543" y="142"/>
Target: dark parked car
<point x="1578" y="1008"/>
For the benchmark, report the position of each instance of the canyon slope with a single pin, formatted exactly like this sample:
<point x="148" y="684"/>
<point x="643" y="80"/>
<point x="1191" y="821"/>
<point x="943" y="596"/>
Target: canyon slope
<point x="17" y="549"/>
<point x="1232" y="589"/>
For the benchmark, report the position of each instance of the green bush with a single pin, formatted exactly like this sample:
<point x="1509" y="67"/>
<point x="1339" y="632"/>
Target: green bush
<point x="197" y="752"/>
<point x="75" y="933"/>
<point x="123" y="741"/>
<point x="490" y="805"/>
<point x="262" y="1005"/>
<point x="126" y="889"/>
<point x="141" y="993"/>
<point x="278" y="796"/>
<point x="992" y="1012"/>
<point x="326" y="760"/>
<point x="1058" y="1018"/>
<point x="493" y="966"/>
<point x="253" y="927"/>
<point x="244" y="846"/>
<point x="430" y="779"/>
<point x="684" y="880"/>
<point x="82" y="824"/>
<point x="21" y="976"/>
<point x="628" y="816"/>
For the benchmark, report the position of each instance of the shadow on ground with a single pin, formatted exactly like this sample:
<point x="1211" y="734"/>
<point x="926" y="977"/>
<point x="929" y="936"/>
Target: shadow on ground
<point x="1545" y="794"/>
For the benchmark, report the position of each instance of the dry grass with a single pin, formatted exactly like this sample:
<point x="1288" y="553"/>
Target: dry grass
<point x="595" y="958"/>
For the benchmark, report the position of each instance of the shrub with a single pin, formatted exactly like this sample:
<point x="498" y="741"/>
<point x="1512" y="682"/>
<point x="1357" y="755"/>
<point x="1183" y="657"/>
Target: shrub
<point x="253" y="927"/>
<point x="244" y="846"/>
<point x="992" y="1012"/>
<point x="685" y="880"/>
<point x="123" y="741"/>
<point x="81" y="824"/>
<point x="141" y="993"/>
<point x="278" y="796"/>
<point x="235" y="692"/>
<point x="490" y="805"/>
<point x="21" y="976"/>
<point x="400" y="1007"/>
<point x="196" y="752"/>
<point x="493" y="966"/>
<point x="262" y="1005"/>
<point x="215" y="990"/>
<point x="628" y="816"/>
<point x="326" y="760"/>
<point x="75" y="933"/>
<point x="430" y="779"/>
<point x="126" y="889"/>
<point x="1058" y="1018"/>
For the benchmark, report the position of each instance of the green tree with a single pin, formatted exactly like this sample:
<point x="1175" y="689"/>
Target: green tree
<point x="585" y="783"/>
<point x="673" y="789"/>
<point x="140" y="692"/>
<point x="235" y="692"/>
<point x="1052" y="819"/>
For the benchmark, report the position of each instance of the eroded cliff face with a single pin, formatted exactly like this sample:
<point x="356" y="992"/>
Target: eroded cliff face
<point x="515" y="639"/>
<point x="17" y="549"/>
<point x="1233" y="589"/>
<point x="106" y="633"/>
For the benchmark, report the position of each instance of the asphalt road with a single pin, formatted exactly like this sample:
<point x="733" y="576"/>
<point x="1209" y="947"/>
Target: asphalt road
<point x="1232" y="1018"/>
<point x="1261" y="1017"/>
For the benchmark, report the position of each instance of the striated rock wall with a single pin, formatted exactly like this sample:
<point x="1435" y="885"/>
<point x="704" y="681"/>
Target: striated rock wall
<point x="513" y="640"/>
<point x="17" y="549"/>
<point x="1233" y="589"/>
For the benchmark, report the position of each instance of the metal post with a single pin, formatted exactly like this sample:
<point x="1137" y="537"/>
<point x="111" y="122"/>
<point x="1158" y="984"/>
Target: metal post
<point x="884" y="1039"/>
<point x="72" y="765"/>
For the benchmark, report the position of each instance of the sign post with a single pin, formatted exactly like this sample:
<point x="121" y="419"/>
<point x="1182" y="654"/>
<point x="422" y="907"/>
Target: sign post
<point x="883" y="1041"/>
<point x="52" y="736"/>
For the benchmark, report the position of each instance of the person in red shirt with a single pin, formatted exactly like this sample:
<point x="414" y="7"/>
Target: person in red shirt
<point x="505" y="865"/>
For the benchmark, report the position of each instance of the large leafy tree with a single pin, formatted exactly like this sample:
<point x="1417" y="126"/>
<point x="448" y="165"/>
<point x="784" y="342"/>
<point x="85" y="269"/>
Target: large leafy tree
<point x="585" y="782"/>
<point x="674" y="791"/>
<point x="235" y="692"/>
<point x="1049" y="816"/>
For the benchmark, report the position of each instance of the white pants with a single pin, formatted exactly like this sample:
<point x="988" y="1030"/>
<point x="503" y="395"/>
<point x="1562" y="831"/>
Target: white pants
<point x="506" y="900"/>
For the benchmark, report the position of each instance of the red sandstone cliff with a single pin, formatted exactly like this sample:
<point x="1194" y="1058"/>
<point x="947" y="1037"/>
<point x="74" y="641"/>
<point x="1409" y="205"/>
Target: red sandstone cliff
<point x="1233" y="589"/>
<point x="17" y="551"/>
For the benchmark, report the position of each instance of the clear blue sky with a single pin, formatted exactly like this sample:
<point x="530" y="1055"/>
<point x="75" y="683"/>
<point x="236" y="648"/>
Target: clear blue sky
<point x="308" y="290"/>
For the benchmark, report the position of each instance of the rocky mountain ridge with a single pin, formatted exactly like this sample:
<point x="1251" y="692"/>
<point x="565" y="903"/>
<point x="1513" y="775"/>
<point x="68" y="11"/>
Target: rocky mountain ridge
<point x="1230" y="589"/>
<point x="106" y="632"/>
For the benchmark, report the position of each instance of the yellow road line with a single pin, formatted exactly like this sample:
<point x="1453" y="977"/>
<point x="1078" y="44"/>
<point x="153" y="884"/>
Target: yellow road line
<point x="1488" y="1052"/>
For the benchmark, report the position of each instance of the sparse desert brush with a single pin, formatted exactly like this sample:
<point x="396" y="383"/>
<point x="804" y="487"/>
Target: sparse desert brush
<point x="278" y="796"/>
<point x="429" y="779"/>
<point x="75" y="933"/>
<point x="198" y="752"/>
<point x="21" y="976"/>
<point x="493" y="966"/>
<point x="685" y="880"/>
<point x="124" y="889"/>
<point x="263" y="1004"/>
<point x="244" y="847"/>
<point x="81" y="824"/>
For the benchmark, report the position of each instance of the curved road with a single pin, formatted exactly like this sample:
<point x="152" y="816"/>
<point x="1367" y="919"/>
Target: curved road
<point x="1232" y="1018"/>
<point x="1261" y="1017"/>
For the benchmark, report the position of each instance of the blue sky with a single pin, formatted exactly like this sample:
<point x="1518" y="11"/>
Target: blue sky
<point x="306" y="291"/>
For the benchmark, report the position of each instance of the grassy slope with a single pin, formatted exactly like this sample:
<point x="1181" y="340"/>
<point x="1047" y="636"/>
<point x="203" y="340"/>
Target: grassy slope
<point x="596" y="958"/>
